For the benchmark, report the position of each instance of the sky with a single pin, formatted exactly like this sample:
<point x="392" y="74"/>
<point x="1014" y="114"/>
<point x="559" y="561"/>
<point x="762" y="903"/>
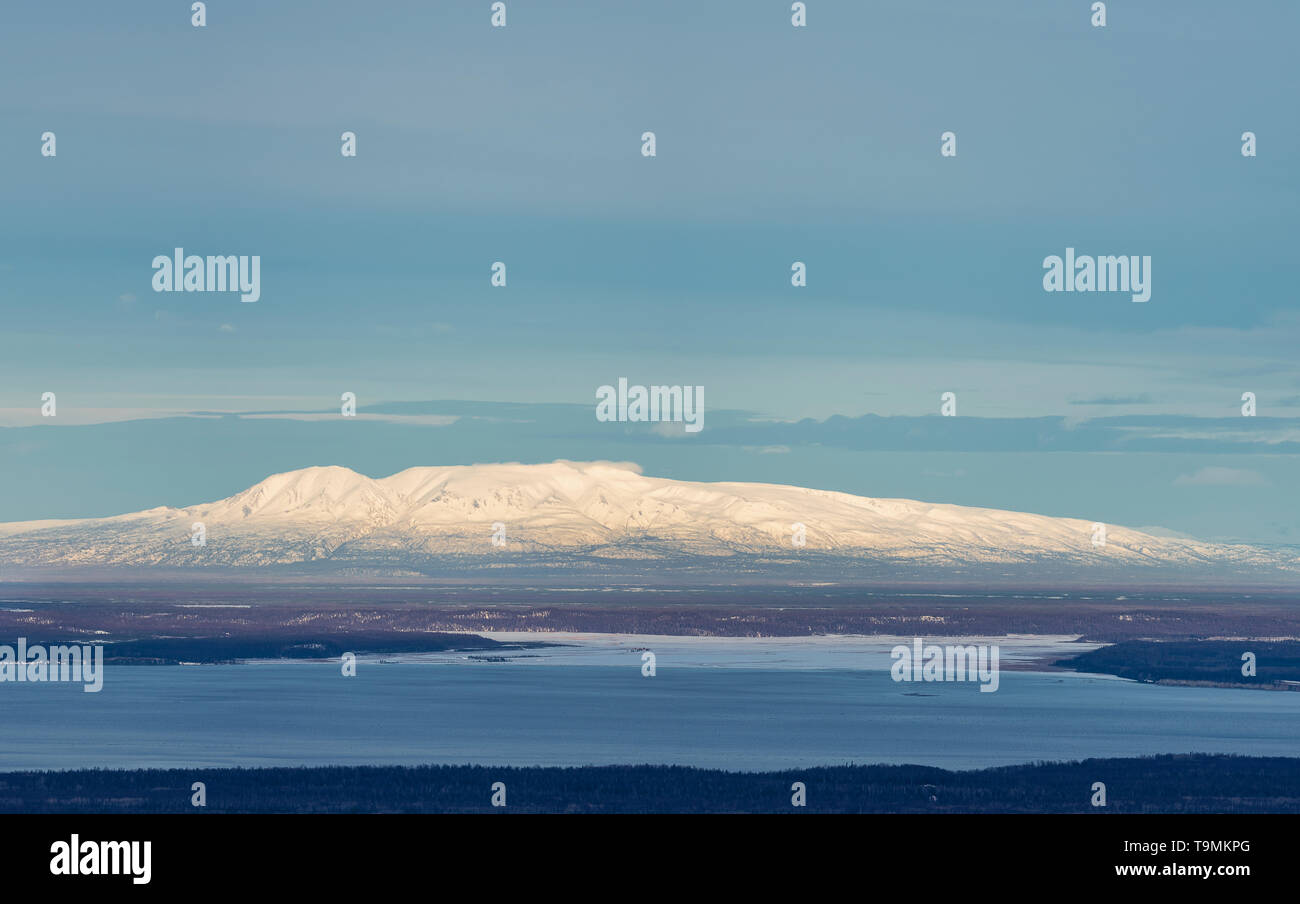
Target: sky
<point x="775" y="144"/>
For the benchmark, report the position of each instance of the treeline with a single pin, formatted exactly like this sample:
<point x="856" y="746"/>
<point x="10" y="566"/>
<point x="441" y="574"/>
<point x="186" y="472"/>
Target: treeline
<point x="152" y="631"/>
<point x="289" y="645"/>
<point x="1217" y="661"/>
<point x="1195" y="783"/>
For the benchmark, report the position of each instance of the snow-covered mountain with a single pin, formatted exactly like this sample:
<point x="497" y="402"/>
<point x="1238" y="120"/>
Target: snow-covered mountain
<point x="587" y="517"/>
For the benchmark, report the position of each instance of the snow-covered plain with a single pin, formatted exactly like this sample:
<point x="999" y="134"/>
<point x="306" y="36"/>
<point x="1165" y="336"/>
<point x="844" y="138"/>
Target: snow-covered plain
<point x="799" y="653"/>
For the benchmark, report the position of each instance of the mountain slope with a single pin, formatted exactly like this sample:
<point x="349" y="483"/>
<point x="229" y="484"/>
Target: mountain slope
<point x="580" y="516"/>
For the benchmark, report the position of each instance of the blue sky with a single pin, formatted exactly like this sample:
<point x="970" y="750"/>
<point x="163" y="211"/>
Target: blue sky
<point x="775" y="144"/>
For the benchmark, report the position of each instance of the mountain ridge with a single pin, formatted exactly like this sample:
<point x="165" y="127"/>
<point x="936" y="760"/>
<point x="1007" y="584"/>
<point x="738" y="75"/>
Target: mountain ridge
<point x="576" y="514"/>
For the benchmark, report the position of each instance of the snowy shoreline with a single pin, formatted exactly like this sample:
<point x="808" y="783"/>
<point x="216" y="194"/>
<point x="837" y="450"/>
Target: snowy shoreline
<point x="836" y="651"/>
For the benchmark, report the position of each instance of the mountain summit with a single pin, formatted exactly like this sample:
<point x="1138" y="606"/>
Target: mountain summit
<point x="586" y="517"/>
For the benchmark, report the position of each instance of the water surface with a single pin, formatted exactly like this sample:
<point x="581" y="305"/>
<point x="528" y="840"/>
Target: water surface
<point x="713" y="703"/>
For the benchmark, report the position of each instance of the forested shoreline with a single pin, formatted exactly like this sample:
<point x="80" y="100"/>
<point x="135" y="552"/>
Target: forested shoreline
<point x="1196" y="783"/>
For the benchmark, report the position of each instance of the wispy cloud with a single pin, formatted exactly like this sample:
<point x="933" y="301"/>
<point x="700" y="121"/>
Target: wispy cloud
<point x="1115" y="400"/>
<point x="1222" y="477"/>
<point x="414" y="420"/>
